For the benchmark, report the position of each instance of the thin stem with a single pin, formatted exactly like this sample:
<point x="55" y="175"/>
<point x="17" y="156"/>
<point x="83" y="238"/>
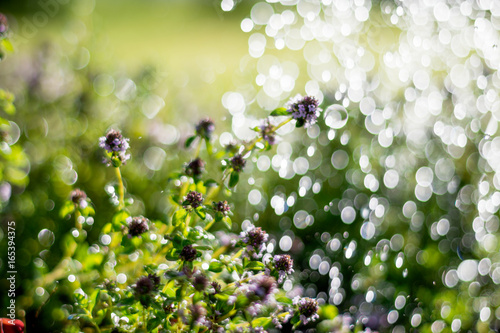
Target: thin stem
<point x="198" y="149"/>
<point x="121" y="189"/>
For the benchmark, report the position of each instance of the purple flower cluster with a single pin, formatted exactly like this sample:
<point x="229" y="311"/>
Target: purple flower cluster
<point x="284" y="265"/>
<point x="255" y="239"/>
<point x="188" y="253"/>
<point x="308" y="309"/>
<point x="267" y="132"/>
<point x="137" y="225"/>
<point x="195" y="168"/>
<point x="262" y="288"/>
<point x="144" y="288"/>
<point x="116" y="145"/>
<point x="238" y="162"/>
<point x="3" y="25"/>
<point x="221" y="207"/>
<point x="193" y="199"/>
<point x="205" y="128"/>
<point x="304" y="109"/>
<point x="79" y="198"/>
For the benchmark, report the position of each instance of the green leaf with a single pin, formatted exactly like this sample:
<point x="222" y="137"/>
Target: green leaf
<point x="261" y="322"/>
<point x="255" y="265"/>
<point x="328" y="311"/>
<point x="7" y="45"/>
<point x="300" y="122"/>
<point x="172" y="255"/>
<point x="153" y="323"/>
<point x="66" y="209"/>
<point x="190" y="140"/>
<point x="234" y="178"/>
<point x="227" y="221"/>
<point x="211" y="183"/>
<point x="284" y="299"/>
<point x="200" y="211"/>
<point x="120" y="218"/>
<point x="179" y="217"/>
<point x="280" y="112"/>
<point x="216" y="267"/>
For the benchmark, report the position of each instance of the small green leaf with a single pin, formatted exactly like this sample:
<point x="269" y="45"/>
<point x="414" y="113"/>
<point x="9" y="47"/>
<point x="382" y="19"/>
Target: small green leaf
<point x="280" y="112"/>
<point x="190" y="140"/>
<point x="179" y="217"/>
<point x="7" y="45"/>
<point x="172" y="255"/>
<point x="120" y="218"/>
<point x="67" y="208"/>
<point x="261" y="322"/>
<point x="215" y="266"/>
<point x="328" y="311"/>
<point x="234" y="178"/>
<point x="255" y="265"/>
<point x="227" y="221"/>
<point x="211" y="183"/>
<point x="283" y="299"/>
<point x="200" y="211"/>
<point x="300" y="122"/>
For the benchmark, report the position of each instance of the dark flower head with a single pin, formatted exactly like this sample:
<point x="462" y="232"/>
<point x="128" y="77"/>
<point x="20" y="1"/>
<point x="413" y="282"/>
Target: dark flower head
<point x="267" y="132"/>
<point x="238" y="162"/>
<point x="144" y="286"/>
<point x="221" y="207"/>
<point x="137" y="225"/>
<point x="155" y="279"/>
<point x="109" y="285"/>
<point x="262" y="287"/>
<point x="188" y="253"/>
<point x="193" y="199"/>
<point x="79" y="198"/>
<point x="200" y="282"/>
<point x="304" y="109"/>
<point x="3" y="25"/>
<point x="216" y="286"/>
<point x="195" y="168"/>
<point x="284" y="265"/>
<point x="205" y="128"/>
<point x="255" y="239"/>
<point x="198" y="314"/>
<point x="308" y="309"/>
<point x="115" y="144"/>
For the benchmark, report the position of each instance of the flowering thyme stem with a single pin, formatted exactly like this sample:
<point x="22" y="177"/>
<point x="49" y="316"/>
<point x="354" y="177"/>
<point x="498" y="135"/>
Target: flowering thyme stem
<point x="198" y="149"/>
<point x="121" y="189"/>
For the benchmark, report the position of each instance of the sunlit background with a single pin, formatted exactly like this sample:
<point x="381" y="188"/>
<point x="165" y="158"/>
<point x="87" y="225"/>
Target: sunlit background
<point x="389" y="205"/>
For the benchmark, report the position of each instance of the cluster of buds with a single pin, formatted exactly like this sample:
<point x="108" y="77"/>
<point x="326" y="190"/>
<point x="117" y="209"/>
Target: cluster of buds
<point x="304" y="109"/>
<point x="221" y="207"/>
<point x="145" y="287"/>
<point x="79" y="198"/>
<point x="267" y="133"/>
<point x="137" y="226"/>
<point x="205" y="128"/>
<point x="307" y="309"/>
<point x="195" y="168"/>
<point x="193" y="199"/>
<point x="3" y="25"/>
<point x="116" y="146"/>
<point x="284" y="265"/>
<point x="255" y="239"/>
